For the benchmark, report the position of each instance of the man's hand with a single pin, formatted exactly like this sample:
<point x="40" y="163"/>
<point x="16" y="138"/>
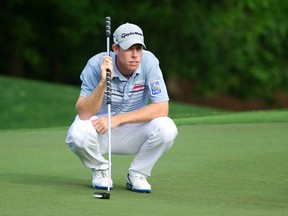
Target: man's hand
<point x="107" y="64"/>
<point x="101" y="124"/>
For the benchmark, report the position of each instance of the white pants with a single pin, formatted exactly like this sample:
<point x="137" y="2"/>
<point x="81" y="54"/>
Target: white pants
<point x="148" y="140"/>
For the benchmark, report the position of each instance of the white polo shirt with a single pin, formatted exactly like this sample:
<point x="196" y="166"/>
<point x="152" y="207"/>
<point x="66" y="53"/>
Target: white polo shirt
<point x="146" y="84"/>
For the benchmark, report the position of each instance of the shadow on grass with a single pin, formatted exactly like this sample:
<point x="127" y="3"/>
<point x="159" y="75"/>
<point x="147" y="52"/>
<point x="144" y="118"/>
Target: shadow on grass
<point x="42" y="180"/>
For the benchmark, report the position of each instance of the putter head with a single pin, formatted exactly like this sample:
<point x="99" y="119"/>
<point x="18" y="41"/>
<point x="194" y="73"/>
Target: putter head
<point x="102" y="195"/>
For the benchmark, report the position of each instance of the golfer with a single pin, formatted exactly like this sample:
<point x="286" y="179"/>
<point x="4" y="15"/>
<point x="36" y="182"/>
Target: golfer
<point x="139" y="111"/>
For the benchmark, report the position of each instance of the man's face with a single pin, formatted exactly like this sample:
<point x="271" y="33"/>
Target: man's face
<point x="128" y="60"/>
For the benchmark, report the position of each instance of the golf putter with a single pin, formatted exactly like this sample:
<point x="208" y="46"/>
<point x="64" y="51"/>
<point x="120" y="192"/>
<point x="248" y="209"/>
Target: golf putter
<point x="106" y="194"/>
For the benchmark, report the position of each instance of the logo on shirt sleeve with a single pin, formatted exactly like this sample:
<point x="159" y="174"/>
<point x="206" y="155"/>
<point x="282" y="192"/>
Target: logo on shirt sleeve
<point x="155" y="87"/>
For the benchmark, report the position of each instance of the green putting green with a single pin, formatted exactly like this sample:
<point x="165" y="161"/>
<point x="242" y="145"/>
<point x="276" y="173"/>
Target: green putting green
<point x="227" y="168"/>
<point x="222" y="163"/>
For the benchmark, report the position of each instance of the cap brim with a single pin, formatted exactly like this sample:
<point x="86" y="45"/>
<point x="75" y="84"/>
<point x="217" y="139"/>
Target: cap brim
<point x="127" y="44"/>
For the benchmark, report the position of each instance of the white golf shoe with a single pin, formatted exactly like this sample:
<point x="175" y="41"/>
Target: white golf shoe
<point x="138" y="184"/>
<point x="100" y="179"/>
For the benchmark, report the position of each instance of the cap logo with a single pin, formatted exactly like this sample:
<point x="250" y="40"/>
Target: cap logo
<point x="123" y="35"/>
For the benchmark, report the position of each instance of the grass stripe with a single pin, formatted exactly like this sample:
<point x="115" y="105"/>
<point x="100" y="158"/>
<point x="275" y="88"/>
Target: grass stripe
<point x="212" y="169"/>
<point x="242" y="117"/>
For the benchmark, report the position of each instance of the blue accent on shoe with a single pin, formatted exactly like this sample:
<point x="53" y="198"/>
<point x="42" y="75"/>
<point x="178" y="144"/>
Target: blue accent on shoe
<point x="129" y="186"/>
<point x="141" y="191"/>
<point x="102" y="187"/>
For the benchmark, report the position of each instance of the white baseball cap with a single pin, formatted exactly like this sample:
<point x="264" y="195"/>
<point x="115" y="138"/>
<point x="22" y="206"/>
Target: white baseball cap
<point x="127" y="35"/>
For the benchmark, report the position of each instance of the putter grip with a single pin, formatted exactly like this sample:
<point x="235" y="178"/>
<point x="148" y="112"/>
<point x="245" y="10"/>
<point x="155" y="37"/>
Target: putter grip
<point x="108" y="26"/>
<point x="108" y="72"/>
<point x="109" y="89"/>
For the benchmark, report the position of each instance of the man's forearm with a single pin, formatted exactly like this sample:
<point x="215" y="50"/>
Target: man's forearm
<point x="144" y="114"/>
<point x="89" y="106"/>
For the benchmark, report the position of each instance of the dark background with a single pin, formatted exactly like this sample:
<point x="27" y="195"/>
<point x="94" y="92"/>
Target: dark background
<point x="223" y="53"/>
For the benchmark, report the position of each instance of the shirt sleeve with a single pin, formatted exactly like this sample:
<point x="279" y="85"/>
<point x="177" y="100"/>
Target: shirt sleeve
<point x="90" y="77"/>
<point x="154" y="79"/>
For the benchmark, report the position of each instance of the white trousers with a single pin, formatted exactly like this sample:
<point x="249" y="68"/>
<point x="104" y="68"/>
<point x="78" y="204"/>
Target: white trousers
<point x="149" y="141"/>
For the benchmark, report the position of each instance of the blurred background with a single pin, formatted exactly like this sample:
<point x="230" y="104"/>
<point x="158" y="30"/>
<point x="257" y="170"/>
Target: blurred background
<point x="230" y="54"/>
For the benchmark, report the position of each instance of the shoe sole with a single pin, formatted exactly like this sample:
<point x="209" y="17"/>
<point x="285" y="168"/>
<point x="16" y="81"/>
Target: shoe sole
<point x="130" y="187"/>
<point x="101" y="187"/>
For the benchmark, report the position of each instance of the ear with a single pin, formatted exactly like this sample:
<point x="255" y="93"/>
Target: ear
<point x="115" y="48"/>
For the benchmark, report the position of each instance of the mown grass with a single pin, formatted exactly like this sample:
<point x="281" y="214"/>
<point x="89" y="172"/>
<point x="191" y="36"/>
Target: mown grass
<point x="212" y="169"/>
<point x="220" y="164"/>
<point x="34" y="104"/>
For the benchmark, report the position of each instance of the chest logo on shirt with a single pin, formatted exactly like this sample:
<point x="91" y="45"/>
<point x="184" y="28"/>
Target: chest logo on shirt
<point x="155" y="87"/>
<point x="137" y="87"/>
